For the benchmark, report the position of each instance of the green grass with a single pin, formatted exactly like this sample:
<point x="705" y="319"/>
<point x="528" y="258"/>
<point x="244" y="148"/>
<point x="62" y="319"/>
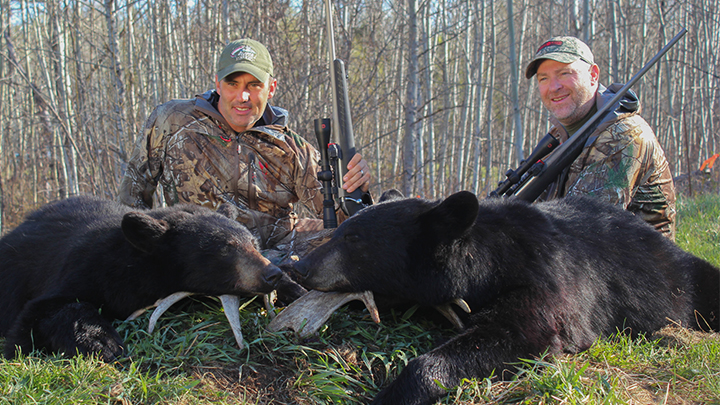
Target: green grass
<point x="52" y="380"/>
<point x="698" y="229"/>
<point x="674" y="366"/>
<point x="192" y="358"/>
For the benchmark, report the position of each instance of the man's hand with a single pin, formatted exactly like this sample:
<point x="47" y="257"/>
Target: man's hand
<point x="358" y="175"/>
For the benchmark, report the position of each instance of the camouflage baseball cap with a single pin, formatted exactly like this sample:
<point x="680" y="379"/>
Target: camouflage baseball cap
<point x="562" y="49"/>
<point x="245" y="55"/>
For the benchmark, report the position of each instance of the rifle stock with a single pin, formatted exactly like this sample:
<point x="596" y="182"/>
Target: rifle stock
<point x="533" y="180"/>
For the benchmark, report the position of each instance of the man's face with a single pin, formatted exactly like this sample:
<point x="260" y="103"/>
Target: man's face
<point x="243" y="99"/>
<point x="567" y="89"/>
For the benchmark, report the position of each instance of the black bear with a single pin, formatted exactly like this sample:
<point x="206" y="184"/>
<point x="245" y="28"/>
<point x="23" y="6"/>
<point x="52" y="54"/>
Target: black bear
<point x="74" y="265"/>
<point x="548" y="276"/>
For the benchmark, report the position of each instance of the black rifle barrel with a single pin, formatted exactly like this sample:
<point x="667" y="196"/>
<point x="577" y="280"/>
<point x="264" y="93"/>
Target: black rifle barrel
<point x="569" y="150"/>
<point x="546" y="145"/>
<point x="342" y="122"/>
<point x="350" y="202"/>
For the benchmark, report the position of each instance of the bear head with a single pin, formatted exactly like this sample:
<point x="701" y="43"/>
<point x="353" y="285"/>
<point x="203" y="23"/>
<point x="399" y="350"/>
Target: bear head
<point x="207" y="252"/>
<point x="407" y="262"/>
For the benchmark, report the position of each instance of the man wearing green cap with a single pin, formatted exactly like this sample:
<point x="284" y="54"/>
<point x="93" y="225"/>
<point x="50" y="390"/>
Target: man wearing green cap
<point x="622" y="162"/>
<point x="229" y="145"/>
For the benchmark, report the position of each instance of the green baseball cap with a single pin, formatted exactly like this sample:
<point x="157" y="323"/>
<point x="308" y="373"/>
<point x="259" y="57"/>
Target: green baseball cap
<point x="245" y="55"/>
<point x="562" y="49"/>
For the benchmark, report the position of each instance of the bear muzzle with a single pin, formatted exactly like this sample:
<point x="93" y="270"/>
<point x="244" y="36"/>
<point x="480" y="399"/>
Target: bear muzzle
<point x="271" y="276"/>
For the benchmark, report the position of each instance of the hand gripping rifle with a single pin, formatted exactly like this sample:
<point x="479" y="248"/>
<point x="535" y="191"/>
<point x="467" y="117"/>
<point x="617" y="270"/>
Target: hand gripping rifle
<point x="334" y="157"/>
<point x="535" y="174"/>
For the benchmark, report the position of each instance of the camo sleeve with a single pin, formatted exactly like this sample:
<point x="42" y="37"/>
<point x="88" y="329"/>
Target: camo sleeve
<point x="618" y="162"/>
<point x="144" y="167"/>
<point x="307" y="187"/>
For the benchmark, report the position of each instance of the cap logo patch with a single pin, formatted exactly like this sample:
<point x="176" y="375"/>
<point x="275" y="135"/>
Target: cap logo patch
<point x="549" y="43"/>
<point x="244" y="52"/>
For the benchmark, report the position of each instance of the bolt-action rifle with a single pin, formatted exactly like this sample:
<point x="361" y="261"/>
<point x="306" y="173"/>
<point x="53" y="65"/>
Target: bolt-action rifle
<point x="536" y="172"/>
<point x="334" y="157"/>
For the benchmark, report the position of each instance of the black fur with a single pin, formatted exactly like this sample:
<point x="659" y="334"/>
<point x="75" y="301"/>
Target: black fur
<point x="73" y="266"/>
<point x="551" y="276"/>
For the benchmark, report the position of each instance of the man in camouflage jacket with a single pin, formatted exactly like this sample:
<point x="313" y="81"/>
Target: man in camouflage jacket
<point x="230" y="145"/>
<point x="622" y="161"/>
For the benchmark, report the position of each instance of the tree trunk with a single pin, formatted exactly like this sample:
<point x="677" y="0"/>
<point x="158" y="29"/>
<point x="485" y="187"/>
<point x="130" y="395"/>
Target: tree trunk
<point x="489" y="103"/>
<point x="514" y="68"/>
<point x="408" y="186"/>
<point x="429" y="110"/>
<point x="479" y="68"/>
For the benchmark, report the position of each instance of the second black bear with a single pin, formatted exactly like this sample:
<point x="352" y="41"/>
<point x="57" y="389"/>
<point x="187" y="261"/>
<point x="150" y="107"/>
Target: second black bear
<point x="74" y="265"/>
<point x="550" y="276"/>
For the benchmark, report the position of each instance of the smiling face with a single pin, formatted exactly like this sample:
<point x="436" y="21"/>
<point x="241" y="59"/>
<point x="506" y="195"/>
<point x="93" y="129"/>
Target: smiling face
<point x="567" y="89"/>
<point x="243" y="99"/>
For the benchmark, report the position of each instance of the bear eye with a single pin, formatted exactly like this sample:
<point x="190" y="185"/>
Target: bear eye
<point x="229" y="248"/>
<point x="226" y="250"/>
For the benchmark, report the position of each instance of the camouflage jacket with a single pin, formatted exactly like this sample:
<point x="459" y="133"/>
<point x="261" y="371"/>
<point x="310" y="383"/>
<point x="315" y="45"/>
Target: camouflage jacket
<point x="624" y="164"/>
<point x="187" y="147"/>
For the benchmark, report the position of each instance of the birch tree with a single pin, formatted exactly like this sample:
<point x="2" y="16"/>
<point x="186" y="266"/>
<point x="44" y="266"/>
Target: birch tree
<point x="78" y="80"/>
<point x="409" y="137"/>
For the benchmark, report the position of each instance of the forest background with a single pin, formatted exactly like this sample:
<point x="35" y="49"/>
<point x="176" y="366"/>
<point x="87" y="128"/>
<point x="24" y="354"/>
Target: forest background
<point x="437" y="88"/>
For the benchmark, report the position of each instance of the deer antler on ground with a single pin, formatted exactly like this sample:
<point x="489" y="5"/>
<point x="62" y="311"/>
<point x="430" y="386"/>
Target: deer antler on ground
<point x="308" y="313"/>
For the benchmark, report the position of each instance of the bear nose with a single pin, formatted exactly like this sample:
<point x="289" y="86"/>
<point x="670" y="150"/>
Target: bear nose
<point x="301" y="268"/>
<point x="272" y="275"/>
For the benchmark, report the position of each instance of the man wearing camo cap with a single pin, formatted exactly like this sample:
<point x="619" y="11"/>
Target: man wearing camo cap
<point x="229" y="145"/>
<point x="622" y="162"/>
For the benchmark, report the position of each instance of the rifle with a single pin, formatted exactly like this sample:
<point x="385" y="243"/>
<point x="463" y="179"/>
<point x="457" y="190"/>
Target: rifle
<point x="535" y="174"/>
<point x="334" y="157"/>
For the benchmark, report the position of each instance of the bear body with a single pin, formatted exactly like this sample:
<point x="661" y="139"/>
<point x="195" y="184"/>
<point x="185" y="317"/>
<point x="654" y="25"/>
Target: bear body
<point x="550" y="276"/>
<point x="74" y="265"/>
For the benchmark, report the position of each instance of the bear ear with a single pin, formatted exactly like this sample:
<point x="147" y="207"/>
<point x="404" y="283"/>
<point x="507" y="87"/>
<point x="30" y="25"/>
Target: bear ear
<point x="143" y="231"/>
<point x="390" y="195"/>
<point x="228" y="210"/>
<point x="453" y="217"/>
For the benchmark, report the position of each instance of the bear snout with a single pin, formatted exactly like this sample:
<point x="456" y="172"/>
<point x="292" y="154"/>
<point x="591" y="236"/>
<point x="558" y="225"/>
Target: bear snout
<point x="322" y="276"/>
<point x="301" y="268"/>
<point x="272" y="275"/>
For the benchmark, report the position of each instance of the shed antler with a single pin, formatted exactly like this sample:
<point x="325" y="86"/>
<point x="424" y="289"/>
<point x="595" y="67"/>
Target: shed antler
<point x="230" y="303"/>
<point x="308" y="313"/>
